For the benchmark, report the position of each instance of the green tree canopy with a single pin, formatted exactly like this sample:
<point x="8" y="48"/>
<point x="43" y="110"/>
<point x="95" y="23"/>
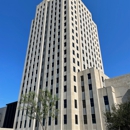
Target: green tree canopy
<point x="119" y="117"/>
<point x="39" y="106"/>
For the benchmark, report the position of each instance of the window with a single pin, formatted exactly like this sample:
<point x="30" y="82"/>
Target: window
<point x="73" y="37"/>
<point x="102" y="79"/>
<point x="65" y="103"/>
<point x="51" y="82"/>
<point x="20" y="124"/>
<point x="64" y="44"/>
<point x="73" y="44"/>
<point x="51" y="91"/>
<point x="47" y="66"/>
<point x="75" y="89"/>
<point x="65" y="37"/>
<point x="92" y="102"/>
<point x="64" y="51"/>
<point x="64" y="60"/>
<point x="76" y="39"/>
<point x="75" y="78"/>
<point x="58" y="54"/>
<point x="90" y="86"/>
<point x="73" y="60"/>
<point x="84" y="104"/>
<point x="89" y="76"/>
<point x="93" y="119"/>
<point x="106" y="101"/>
<point x="82" y="78"/>
<point x="65" y="88"/>
<point x="18" y="113"/>
<point x="29" y="123"/>
<point x="78" y="63"/>
<point x="82" y="88"/>
<point x="25" y="124"/>
<point x="46" y="83"/>
<point x="57" y="90"/>
<point x="65" y="119"/>
<point x="49" y="122"/>
<point x="65" y="68"/>
<point x="77" y="55"/>
<point x="76" y="119"/>
<point x="57" y="80"/>
<point x="56" y="104"/>
<point x="74" y="69"/>
<point x="84" y="66"/>
<point x="65" y="78"/>
<point x="56" y="120"/>
<point x="57" y="62"/>
<point x="75" y="102"/>
<point x="57" y="71"/>
<point x="73" y="52"/>
<point x="85" y="119"/>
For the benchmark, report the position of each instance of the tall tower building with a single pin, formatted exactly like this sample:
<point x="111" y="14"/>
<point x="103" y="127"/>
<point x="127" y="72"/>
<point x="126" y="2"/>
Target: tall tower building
<point x="63" y="42"/>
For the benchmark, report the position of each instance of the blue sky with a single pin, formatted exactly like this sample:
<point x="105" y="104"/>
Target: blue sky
<point x="112" y="18"/>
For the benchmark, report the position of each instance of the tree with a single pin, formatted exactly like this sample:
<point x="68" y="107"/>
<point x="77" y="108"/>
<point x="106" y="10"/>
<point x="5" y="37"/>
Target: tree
<point x="119" y="117"/>
<point x="39" y="106"/>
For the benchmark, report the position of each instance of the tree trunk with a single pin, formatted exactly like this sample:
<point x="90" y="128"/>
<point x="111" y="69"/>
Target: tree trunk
<point x="45" y="124"/>
<point x="41" y="125"/>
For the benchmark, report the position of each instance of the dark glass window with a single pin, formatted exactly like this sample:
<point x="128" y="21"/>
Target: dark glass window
<point x="85" y="119"/>
<point x="89" y="76"/>
<point x="73" y="60"/>
<point x="57" y="80"/>
<point x="92" y="102"/>
<point x="75" y="78"/>
<point x="65" y="88"/>
<point x="82" y="78"/>
<point x="57" y="71"/>
<point x="93" y="119"/>
<point x="43" y="122"/>
<point x="65" y="119"/>
<point x="84" y="104"/>
<point x="49" y="122"/>
<point x="83" y="89"/>
<point x="51" y="82"/>
<point x="57" y="90"/>
<point x="75" y="102"/>
<point x="64" y="51"/>
<point x="56" y="120"/>
<point x="65" y="60"/>
<point x="65" y="78"/>
<point x="20" y="124"/>
<point x="74" y="69"/>
<point x="74" y="88"/>
<point x="25" y="123"/>
<point x="56" y="104"/>
<point x="76" y="119"/>
<point x="29" y="123"/>
<point x="106" y="101"/>
<point x="65" y="103"/>
<point x="65" y="68"/>
<point x="90" y="86"/>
